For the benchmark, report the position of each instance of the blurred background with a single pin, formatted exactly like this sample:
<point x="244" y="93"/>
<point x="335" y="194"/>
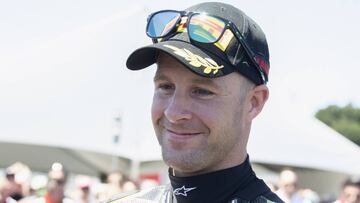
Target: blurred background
<point x="68" y="104"/>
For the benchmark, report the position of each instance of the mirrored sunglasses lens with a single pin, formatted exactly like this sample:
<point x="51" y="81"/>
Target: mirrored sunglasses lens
<point x="205" y="29"/>
<point x="162" y="23"/>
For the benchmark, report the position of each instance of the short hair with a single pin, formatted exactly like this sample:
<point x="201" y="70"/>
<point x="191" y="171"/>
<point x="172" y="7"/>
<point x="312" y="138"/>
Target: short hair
<point x="351" y="182"/>
<point x="288" y="175"/>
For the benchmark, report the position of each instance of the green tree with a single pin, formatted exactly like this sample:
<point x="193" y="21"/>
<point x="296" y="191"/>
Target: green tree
<point x="345" y="120"/>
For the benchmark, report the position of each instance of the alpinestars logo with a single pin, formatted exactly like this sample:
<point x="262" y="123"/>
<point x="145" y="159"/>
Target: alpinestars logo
<point x="183" y="190"/>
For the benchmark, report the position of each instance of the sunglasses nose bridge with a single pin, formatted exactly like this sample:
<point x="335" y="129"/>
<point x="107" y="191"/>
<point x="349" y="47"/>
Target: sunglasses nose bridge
<point x="183" y="22"/>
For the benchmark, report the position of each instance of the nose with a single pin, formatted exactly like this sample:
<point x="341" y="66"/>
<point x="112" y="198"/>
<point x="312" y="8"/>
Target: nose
<point x="177" y="109"/>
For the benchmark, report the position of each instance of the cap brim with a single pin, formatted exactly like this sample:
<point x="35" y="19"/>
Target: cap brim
<point x="198" y="61"/>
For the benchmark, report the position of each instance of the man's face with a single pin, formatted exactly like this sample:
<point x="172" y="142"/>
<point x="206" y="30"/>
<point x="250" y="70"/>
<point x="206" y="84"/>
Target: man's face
<point x="351" y="194"/>
<point x="289" y="188"/>
<point x="199" y="122"/>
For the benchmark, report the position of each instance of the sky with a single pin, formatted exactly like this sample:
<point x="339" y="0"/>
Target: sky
<point x="63" y="78"/>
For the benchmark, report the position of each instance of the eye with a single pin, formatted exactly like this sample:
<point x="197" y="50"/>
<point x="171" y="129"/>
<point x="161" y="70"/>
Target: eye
<point x="200" y="92"/>
<point x="165" y="87"/>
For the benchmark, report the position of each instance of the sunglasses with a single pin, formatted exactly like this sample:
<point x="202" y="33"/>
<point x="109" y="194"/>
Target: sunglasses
<point x="201" y="28"/>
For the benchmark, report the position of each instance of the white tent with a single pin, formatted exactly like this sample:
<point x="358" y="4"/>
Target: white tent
<point x="41" y="157"/>
<point x="286" y="137"/>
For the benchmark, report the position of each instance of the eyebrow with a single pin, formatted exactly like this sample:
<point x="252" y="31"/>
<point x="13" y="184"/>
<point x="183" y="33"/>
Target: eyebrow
<point x="199" y="81"/>
<point x="158" y="77"/>
<point x="206" y="81"/>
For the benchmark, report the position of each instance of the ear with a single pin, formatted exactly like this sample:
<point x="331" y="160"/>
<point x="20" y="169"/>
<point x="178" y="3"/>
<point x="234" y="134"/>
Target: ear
<point x="257" y="97"/>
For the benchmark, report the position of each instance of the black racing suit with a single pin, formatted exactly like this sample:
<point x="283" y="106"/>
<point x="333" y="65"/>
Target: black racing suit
<point x="238" y="184"/>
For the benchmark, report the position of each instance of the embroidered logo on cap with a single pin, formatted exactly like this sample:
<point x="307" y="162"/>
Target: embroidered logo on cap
<point x="209" y="65"/>
<point x="183" y="190"/>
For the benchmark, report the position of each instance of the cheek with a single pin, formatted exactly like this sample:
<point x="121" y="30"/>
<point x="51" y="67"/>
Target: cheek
<point x="210" y="114"/>
<point x="157" y="109"/>
<point x="220" y="116"/>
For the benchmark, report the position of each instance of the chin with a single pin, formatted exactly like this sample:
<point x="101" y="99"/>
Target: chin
<point x="182" y="161"/>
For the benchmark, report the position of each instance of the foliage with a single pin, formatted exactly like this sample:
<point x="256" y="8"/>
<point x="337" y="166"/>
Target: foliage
<point x="345" y="120"/>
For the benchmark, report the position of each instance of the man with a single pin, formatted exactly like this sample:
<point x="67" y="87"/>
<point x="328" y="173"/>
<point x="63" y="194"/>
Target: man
<point x="350" y="192"/>
<point x="10" y="190"/>
<point x="55" y="187"/>
<point x="212" y="67"/>
<point x="288" y="187"/>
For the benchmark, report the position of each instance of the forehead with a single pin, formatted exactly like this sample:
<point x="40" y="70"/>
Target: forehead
<point x="352" y="189"/>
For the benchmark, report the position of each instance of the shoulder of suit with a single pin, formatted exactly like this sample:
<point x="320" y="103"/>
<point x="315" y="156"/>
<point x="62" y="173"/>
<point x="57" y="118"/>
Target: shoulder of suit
<point x="151" y="195"/>
<point x="263" y="199"/>
<point x="260" y="199"/>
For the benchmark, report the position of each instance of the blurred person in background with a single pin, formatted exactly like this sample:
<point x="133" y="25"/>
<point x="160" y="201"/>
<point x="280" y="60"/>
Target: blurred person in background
<point x="22" y="176"/>
<point x="10" y="189"/>
<point x="118" y="182"/>
<point x="350" y="192"/>
<point x="56" y="185"/>
<point x="84" y="193"/>
<point x="55" y="188"/>
<point x="114" y="182"/>
<point x="128" y="185"/>
<point x="288" y="187"/>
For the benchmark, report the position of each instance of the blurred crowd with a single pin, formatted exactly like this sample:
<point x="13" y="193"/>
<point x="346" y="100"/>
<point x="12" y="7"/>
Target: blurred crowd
<point x="20" y="184"/>
<point x="288" y="190"/>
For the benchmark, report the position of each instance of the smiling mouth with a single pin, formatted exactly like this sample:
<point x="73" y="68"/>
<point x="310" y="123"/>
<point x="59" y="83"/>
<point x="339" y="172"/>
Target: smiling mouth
<point x="181" y="139"/>
<point x="182" y="134"/>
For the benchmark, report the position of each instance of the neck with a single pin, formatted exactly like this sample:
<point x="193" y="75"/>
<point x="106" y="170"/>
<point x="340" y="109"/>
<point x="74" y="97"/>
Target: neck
<point x="215" y="186"/>
<point x="224" y="164"/>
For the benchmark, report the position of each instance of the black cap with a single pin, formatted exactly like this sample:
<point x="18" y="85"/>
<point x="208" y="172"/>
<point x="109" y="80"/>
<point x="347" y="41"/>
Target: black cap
<point x="208" y="60"/>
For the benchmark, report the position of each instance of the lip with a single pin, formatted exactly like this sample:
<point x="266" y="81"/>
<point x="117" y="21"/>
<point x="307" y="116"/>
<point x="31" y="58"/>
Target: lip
<point x="179" y="135"/>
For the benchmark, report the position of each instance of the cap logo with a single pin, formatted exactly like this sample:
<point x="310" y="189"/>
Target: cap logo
<point x="209" y="65"/>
